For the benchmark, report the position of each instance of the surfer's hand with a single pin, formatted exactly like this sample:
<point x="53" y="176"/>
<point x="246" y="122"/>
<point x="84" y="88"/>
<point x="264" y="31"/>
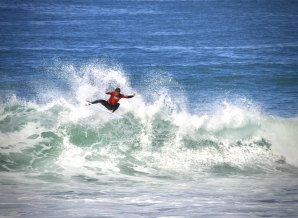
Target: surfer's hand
<point x="134" y="94"/>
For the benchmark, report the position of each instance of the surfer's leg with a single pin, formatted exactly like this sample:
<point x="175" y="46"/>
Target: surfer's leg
<point x="115" y="107"/>
<point x="95" y="102"/>
<point x="106" y="104"/>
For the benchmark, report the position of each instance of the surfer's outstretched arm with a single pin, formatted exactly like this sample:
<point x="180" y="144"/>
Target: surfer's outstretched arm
<point x="129" y="96"/>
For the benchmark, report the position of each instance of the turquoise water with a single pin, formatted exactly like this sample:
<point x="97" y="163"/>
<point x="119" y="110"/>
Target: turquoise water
<point x="212" y="130"/>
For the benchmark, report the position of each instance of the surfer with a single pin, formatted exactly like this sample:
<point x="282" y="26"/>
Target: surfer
<point x="112" y="103"/>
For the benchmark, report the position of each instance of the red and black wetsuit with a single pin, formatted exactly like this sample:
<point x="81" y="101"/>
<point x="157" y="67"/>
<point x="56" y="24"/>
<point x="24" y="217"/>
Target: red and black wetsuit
<point x="112" y="102"/>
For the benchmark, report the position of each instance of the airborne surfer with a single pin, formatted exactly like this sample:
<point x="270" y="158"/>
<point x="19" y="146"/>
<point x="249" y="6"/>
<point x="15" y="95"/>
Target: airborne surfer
<point x="112" y="103"/>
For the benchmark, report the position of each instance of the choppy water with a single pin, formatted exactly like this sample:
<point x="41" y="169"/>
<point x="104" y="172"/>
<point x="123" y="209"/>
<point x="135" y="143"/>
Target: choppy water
<point x="211" y="132"/>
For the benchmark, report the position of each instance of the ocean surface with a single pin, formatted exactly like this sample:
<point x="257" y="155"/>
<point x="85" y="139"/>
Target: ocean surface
<point x="212" y="131"/>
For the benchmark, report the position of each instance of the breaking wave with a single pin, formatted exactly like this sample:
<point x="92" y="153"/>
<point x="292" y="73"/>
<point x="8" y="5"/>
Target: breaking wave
<point x="156" y="137"/>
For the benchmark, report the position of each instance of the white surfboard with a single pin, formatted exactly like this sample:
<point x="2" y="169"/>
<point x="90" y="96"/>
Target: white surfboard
<point x="103" y="109"/>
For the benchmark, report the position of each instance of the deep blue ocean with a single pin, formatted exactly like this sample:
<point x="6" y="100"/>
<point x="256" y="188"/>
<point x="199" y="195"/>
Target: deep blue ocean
<point x="212" y="130"/>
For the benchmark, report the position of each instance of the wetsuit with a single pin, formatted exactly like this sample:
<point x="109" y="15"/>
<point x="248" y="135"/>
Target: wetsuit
<point x="112" y="103"/>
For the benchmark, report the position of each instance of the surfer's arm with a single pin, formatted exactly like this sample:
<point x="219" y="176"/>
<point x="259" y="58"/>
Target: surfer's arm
<point x="129" y="96"/>
<point x="108" y="93"/>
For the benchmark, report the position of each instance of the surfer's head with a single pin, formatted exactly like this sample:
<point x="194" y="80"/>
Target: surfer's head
<point x="117" y="90"/>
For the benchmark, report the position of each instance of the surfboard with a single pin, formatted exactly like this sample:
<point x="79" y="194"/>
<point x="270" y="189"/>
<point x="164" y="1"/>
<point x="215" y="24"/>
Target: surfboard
<point x="103" y="109"/>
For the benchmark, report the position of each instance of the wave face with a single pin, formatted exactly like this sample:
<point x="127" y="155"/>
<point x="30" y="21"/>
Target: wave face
<point x="157" y="136"/>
